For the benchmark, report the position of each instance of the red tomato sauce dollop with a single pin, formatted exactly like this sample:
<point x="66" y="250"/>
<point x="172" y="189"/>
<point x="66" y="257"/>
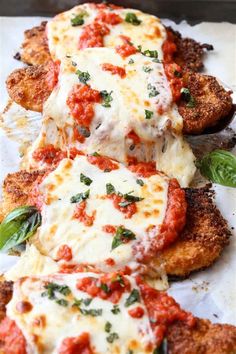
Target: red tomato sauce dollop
<point x="82" y="216"/>
<point x="92" y="35"/>
<point x="113" y="69"/>
<point x="163" y="310"/>
<point x="76" y="345"/>
<point x="11" y="337"/>
<point x="143" y="169"/>
<point x="128" y="210"/>
<point x="110" y="18"/>
<point x="52" y="73"/>
<point x="109" y="286"/>
<point x="104" y="163"/>
<point x="81" y="102"/>
<point x="127" y="48"/>
<point x="64" y="252"/>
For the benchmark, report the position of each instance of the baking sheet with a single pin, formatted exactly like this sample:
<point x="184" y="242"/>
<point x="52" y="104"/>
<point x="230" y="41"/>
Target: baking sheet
<point x="210" y="293"/>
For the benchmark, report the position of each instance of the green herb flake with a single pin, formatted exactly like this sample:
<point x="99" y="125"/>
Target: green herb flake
<point x="108" y="326"/>
<point x="219" y="166"/>
<point x="147" y="69"/>
<point x="130" y="351"/>
<point x="115" y="310"/>
<point x="133" y="297"/>
<point x="91" y="312"/>
<point x="52" y="288"/>
<point x="78" y="198"/>
<point x="112" y="337"/>
<point x="131" y="61"/>
<point x="148" y="53"/>
<point x="148" y="114"/>
<point x="84" y="76"/>
<point x="78" y="20"/>
<point x="187" y="97"/>
<point x="86" y="180"/>
<point x="87" y="301"/>
<point x="152" y="90"/>
<point x="132" y="198"/>
<point x="140" y="182"/>
<point x="18" y="226"/>
<point x="110" y="189"/>
<point x="62" y="302"/>
<point x="107" y="98"/>
<point x="96" y="154"/>
<point x="122" y="235"/>
<point x="105" y="288"/>
<point x="84" y="131"/>
<point x="124" y="204"/>
<point x="119" y="279"/>
<point x="132" y="18"/>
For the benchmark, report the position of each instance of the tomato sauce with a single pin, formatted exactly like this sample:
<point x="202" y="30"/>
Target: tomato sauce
<point x="110" y="18"/>
<point x="81" y="102"/>
<point x="110" y="229"/>
<point x="103" y="162"/>
<point x="52" y="74"/>
<point x="64" y="252"/>
<point x="136" y="312"/>
<point x="104" y="6"/>
<point x="143" y="169"/>
<point x="11" y="338"/>
<point x="92" y="35"/>
<point x="162" y="310"/>
<point x="76" y="345"/>
<point x="108" y="287"/>
<point x="49" y="154"/>
<point x="127" y="48"/>
<point x="134" y="137"/>
<point x="110" y="262"/>
<point x="176" y="82"/>
<point x="81" y="215"/>
<point x="128" y="210"/>
<point x="113" y="69"/>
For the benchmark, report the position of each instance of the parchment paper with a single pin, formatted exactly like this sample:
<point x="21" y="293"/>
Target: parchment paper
<point x="210" y="293"/>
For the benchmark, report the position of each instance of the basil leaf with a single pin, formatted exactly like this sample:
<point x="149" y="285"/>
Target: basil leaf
<point x="132" y="18"/>
<point x="121" y="236"/>
<point x="124" y="204"/>
<point x="110" y="189"/>
<point x="78" y="198"/>
<point x="152" y="90"/>
<point x="108" y="326"/>
<point x="91" y="312"/>
<point x="113" y="336"/>
<point x="148" y="53"/>
<point x="132" y="198"/>
<point x="105" y="288"/>
<point x="78" y="20"/>
<point x="187" y="97"/>
<point x="219" y="166"/>
<point x="147" y="69"/>
<point x="18" y="226"/>
<point x="115" y="310"/>
<point x="148" y="114"/>
<point x="84" y="131"/>
<point x="140" y="182"/>
<point x="133" y="297"/>
<point x="107" y="98"/>
<point x="62" y="302"/>
<point x="84" y="76"/>
<point x="86" y="180"/>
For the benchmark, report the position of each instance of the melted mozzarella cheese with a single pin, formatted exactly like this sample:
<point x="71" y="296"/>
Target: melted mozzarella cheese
<point x="63" y="38"/>
<point x="90" y="244"/>
<point x="130" y="100"/>
<point x="48" y="323"/>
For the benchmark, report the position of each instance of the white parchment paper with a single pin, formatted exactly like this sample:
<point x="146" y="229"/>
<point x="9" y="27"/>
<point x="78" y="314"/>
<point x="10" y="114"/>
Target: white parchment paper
<point x="210" y="293"/>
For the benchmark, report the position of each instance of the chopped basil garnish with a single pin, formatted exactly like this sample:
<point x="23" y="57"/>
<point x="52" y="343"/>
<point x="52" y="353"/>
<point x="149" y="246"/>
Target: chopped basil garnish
<point x="86" y="180"/>
<point x="133" y="297"/>
<point x="124" y="204"/>
<point x="19" y="225"/>
<point x="147" y="69"/>
<point x="219" y="166"/>
<point x="79" y="302"/>
<point x="62" y="302"/>
<point x="78" y="20"/>
<point x="140" y="182"/>
<point x="96" y="154"/>
<point x="83" y="76"/>
<point x="52" y="288"/>
<point x="110" y="189"/>
<point x="121" y="236"/>
<point x="78" y="198"/>
<point x="177" y="73"/>
<point x="105" y="288"/>
<point x="187" y="97"/>
<point x="115" y="309"/>
<point x="84" y="131"/>
<point x="113" y="336"/>
<point x="107" y="98"/>
<point x="87" y="301"/>
<point x="148" y="114"/>
<point x="148" y="53"/>
<point x="132" y="198"/>
<point x="119" y="279"/>
<point x="130" y="351"/>
<point x="108" y="326"/>
<point x="132" y="18"/>
<point x="152" y="90"/>
<point x="91" y="312"/>
<point x="131" y="61"/>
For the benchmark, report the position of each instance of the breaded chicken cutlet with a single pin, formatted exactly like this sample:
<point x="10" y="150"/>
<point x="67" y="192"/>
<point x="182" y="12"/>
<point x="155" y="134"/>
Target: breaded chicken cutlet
<point x="203" y="338"/>
<point x="29" y="87"/>
<point x="202" y="241"/>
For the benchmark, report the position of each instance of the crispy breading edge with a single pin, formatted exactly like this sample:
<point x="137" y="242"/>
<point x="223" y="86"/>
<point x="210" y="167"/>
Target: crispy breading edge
<point x="202" y="241"/>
